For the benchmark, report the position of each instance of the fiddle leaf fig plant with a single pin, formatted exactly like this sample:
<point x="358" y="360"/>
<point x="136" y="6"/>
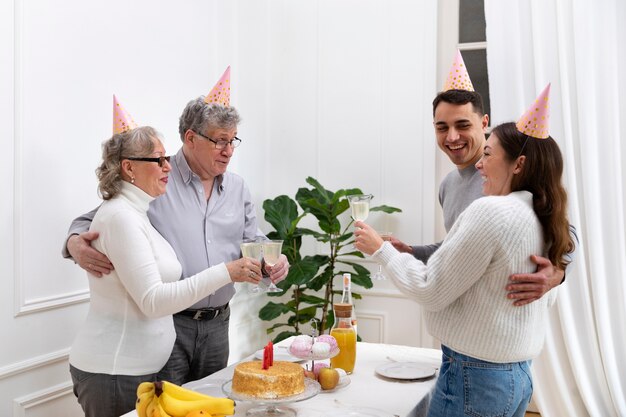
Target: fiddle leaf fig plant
<point x="310" y="277"/>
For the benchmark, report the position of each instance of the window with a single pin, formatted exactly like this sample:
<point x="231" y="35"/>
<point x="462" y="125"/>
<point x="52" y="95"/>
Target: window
<point x="462" y="26"/>
<point x="472" y="41"/>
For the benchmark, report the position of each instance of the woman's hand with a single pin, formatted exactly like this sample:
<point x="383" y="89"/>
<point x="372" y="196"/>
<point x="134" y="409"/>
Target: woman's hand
<point x="244" y="270"/>
<point x="366" y="239"/>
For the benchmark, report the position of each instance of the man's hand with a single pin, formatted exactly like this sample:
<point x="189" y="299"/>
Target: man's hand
<point x="526" y="288"/>
<point x="92" y="261"/>
<point x="399" y="245"/>
<point x="279" y="271"/>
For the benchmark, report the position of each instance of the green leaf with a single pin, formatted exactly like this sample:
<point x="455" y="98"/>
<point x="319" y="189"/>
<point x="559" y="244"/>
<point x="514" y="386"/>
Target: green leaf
<point x="283" y="335"/>
<point x="272" y="310"/>
<point x="304" y="271"/>
<point x="386" y="209"/>
<point x="311" y="299"/>
<point x="280" y="213"/>
<point x="321" y="280"/>
<point x="275" y="326"/>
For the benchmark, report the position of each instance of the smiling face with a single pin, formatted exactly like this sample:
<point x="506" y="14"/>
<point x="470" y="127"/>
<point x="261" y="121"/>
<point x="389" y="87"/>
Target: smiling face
<point x="496" y="169"/>
<point x="203" y="157"/>
<point x="149" y="176"/>
<point x="460" y="132"/>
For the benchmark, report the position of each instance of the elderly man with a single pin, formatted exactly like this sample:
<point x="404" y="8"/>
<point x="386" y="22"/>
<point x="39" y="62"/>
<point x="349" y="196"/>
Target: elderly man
<point x="205" y="214"/>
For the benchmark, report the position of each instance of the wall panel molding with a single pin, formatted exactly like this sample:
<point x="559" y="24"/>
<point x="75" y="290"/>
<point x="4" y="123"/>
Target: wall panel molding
<point x="23" y="305"/>
<point x="22" y="404"/>
<point x="35" y="362"/>
<point x="375" y="321"/>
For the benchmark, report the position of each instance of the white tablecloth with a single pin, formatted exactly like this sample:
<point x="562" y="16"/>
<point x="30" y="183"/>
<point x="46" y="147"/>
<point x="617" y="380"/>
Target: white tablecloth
<point x="366" y="388"/>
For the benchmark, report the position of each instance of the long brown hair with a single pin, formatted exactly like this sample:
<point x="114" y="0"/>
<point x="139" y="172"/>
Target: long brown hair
<point x="541" y="175"/>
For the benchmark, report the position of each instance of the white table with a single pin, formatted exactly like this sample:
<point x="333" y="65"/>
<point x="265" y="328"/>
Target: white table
<point x="366" y="388"/>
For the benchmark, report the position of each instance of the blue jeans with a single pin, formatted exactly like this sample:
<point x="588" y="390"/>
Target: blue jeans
<point x="104" y="395"/>
<point x="472" y="387"/>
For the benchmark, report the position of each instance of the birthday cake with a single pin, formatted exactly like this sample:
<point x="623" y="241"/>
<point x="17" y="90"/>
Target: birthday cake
<point x="282" y="379"/>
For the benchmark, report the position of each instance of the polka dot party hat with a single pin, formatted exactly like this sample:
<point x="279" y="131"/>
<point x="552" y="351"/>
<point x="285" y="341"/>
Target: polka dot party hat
<point x="535" y="122"/>
<point x="458" y="78"/>
<point x="122" y="120"/>
<point x="221" y="92"/>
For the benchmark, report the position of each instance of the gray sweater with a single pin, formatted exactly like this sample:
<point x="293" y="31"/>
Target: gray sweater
<point x="457" y="191"/>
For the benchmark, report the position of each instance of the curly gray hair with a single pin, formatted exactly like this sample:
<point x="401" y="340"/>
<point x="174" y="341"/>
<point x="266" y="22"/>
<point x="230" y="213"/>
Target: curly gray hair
<point x="134" y="143"/>
<point x="200" y="117"/>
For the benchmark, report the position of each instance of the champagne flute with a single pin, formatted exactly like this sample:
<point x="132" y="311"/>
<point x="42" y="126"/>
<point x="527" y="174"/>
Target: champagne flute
<point x="378" y="275"/>
<point x="271" y="253"/>
<point x="360" y="205"/>
<point x="252" y="249"/>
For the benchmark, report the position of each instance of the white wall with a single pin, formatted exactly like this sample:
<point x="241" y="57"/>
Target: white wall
<point x="337" y="90"/>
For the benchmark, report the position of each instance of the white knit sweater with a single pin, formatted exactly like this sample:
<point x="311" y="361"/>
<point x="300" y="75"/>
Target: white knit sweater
<point x="462" y="287"/>
<point x="129" y="329"/>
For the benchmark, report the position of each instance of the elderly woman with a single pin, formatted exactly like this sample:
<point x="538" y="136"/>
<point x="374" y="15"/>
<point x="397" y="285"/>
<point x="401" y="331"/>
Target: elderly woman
<point x="487" y="342"/>
<point x="129" y="332"/>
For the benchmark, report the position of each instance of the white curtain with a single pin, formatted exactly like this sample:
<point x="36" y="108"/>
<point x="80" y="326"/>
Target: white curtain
<point x="580" y="47"/>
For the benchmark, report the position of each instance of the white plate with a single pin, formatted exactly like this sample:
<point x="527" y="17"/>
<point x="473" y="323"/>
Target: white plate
<point x="406" y="370"/>
<point x="358" y="412"/>
<point x="280" y="354"/>
<point x="208" y="387"/>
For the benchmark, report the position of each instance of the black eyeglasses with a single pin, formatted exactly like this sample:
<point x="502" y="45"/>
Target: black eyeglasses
<point x="159" y="160"/>
<point x="221" y="144"/>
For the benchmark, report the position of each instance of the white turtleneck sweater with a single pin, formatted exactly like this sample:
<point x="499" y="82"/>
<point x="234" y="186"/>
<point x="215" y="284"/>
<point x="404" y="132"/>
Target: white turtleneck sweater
<point x="129" y="329"/>
<point x="462" y="286"/>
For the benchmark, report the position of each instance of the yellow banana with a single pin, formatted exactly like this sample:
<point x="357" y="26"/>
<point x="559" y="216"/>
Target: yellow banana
<point x="142" y="403"/>
<point x="151" y="409"/>
<point x="180" y="408"/>
<point x="161" y="410"/>
<point x="181" y="393"/>
<point x="145" y="387"/>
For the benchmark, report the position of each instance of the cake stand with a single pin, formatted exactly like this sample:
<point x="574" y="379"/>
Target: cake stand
<point x="309" y="356"/>
<point x="268" y="407"/>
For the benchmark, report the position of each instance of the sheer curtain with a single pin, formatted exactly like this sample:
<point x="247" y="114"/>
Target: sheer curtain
<point x="580" y="47"/>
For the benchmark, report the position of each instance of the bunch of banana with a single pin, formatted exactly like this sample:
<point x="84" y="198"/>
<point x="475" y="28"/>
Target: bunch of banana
<point x="164" y="399"/>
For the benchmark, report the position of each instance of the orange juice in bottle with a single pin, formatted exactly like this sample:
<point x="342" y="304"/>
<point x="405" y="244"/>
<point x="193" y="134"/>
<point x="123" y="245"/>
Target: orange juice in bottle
<point x="346" y="338"/>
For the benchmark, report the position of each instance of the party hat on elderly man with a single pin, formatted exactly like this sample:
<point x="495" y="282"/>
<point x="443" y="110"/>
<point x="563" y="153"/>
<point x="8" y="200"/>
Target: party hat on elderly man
<point x="458" y="78"/>
<point x="221" y="91"/>
<point x="122" y="120"/>
<point x="535" y="122"/>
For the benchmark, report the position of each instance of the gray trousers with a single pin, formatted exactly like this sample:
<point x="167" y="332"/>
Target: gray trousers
<point x="201" y="349"/>
<point x="104" y="395"/>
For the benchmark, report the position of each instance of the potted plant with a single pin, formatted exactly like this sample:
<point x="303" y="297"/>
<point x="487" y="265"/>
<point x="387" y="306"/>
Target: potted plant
<point x="310" y="278"/>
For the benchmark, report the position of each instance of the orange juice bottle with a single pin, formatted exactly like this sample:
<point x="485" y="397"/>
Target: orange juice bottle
<point x="344" y="332"/>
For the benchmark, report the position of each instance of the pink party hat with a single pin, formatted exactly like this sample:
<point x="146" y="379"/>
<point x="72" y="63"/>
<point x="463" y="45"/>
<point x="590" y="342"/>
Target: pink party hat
<point x="122" y="120"/>
<point x="221" y="92"/>
<point x="458" y="78"/>
<point x="535" y="122"/>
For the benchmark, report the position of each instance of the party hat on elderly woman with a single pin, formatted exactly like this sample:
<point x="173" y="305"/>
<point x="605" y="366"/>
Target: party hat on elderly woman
<point x="458" y="78"/>
<point x="535" y="122"/>
<point x="122" y="121"/>
<point x="221" y="91"/>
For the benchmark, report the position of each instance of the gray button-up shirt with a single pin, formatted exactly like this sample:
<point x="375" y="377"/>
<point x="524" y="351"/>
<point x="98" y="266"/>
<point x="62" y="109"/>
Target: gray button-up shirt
<point x="203" y="233"/>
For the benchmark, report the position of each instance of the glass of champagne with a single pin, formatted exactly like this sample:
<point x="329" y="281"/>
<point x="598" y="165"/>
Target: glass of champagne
<point x="253" y="249"/>
<point x="360" y="205"/>
<point x="378" y="275"/>
<point x="271" y="252"/>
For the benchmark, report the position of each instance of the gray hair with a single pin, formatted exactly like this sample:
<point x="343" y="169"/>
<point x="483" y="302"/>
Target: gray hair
<point x="137" y="142"/>
<point x="200" y="117"/>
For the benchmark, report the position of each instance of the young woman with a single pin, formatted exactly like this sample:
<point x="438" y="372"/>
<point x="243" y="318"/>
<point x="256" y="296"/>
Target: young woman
<point x="487" y="342"/>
